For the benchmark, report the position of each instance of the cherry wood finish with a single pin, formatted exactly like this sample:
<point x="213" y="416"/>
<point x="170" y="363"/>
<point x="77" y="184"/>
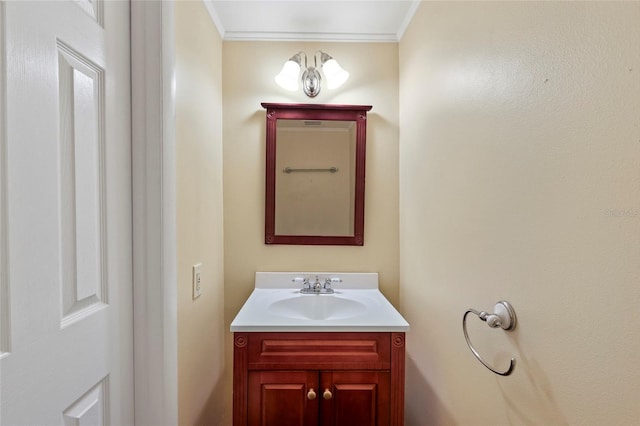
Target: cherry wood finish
<point x="344" y="351"/>
<point x="276" y="111"/>
<point x="363" y="374"/>
<point x="397" y="378"/>
<point x="357" y="398"/>
<point x="280" y="398"/>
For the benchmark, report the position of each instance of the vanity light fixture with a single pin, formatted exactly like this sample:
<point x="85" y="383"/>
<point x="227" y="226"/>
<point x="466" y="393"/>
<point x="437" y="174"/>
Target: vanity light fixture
<point x="289" y="77"/>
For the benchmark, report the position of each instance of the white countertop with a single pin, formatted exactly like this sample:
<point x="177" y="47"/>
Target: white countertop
<point x="276" y="304"/>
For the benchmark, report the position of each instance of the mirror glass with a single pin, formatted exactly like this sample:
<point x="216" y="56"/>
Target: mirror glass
<point x="315" y="177"/>
<point x="315" y="174"/>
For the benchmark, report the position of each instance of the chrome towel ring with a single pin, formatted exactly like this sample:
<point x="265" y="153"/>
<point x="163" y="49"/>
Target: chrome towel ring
<point x="504" y="317"/>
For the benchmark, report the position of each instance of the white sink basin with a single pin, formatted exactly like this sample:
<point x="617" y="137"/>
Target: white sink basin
<point x="276" y="304"/>
<point x="317" y="307"/>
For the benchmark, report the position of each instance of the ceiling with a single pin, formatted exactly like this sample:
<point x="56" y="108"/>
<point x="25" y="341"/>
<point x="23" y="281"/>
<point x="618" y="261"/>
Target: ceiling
<point x="312" y="20"/>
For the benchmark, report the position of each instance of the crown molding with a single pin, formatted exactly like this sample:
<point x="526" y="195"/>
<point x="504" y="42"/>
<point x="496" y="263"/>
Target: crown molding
<point x="290" y="36"/>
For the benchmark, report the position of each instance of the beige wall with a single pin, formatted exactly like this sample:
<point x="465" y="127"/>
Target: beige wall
<point x="519" y="159"/>
<point x="199" y="215"/>
<point x="248" y="72"/>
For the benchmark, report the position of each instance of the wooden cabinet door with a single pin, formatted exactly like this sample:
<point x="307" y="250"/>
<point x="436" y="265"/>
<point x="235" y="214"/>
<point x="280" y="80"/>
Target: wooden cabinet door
<point x="281" y="398"/>
<point x="355" y="398"/>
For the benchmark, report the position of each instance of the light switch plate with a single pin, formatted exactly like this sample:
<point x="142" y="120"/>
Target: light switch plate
<point x="197" y="280"/>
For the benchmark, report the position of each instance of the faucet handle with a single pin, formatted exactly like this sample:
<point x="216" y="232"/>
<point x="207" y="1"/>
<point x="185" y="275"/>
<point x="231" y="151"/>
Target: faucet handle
<point x="300" y="280"/>
<point x="329" y="281"/>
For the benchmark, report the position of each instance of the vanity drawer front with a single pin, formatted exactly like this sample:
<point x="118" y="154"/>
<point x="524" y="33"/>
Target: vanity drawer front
<point x="322" y="350"/>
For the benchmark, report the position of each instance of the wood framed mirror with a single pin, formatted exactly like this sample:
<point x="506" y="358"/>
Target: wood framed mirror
<point x="315" y="174"/>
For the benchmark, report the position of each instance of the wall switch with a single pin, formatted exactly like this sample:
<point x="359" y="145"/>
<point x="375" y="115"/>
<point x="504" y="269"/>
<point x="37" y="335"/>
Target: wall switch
<point x="197" y="280"/>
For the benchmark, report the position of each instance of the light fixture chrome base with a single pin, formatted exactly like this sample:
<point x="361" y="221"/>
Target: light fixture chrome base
<point x="311" y="82"/>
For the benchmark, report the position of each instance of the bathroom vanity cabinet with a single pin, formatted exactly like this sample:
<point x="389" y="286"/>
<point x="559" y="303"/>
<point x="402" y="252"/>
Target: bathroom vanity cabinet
<point x="318" y="378"/>
<point x="328" y="359"/>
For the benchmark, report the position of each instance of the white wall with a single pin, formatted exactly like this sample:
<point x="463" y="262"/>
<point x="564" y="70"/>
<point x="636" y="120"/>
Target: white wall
<point x="199" y="216"/>
<point x="519" y="180"/>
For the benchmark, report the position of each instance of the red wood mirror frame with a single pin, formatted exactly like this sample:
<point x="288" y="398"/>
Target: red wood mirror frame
<point x="318" y="112"/>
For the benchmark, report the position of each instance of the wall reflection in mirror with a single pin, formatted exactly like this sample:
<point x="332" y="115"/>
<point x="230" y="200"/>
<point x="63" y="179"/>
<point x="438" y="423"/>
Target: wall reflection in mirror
<point x="315" y="177"/>
<point x="315" y="174"/>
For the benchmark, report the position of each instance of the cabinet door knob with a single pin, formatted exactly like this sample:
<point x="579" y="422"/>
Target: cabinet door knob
<point x="311" y="395"/>
<point x="327" y="394"/>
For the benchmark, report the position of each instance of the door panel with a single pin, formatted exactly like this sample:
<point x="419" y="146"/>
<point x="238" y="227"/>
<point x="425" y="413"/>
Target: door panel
<point x="5" y="345"/>
<point x="68" y="205"/>
<point x="279" y="398"/>
<point x="89" y="409"/>
<point x="356" y="397"/>
<point x="81" y="100"/>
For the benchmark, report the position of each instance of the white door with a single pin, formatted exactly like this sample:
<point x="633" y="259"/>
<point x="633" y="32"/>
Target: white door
<point x="66" y="323"/>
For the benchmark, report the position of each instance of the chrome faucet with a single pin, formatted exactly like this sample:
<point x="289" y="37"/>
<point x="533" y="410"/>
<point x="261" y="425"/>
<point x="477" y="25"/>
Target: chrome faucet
<point x="317" y="287"/>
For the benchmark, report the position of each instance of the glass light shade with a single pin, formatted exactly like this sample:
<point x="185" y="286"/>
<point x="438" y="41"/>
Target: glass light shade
<point x="288" y="77"/>
<point x="335" y="74"/>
